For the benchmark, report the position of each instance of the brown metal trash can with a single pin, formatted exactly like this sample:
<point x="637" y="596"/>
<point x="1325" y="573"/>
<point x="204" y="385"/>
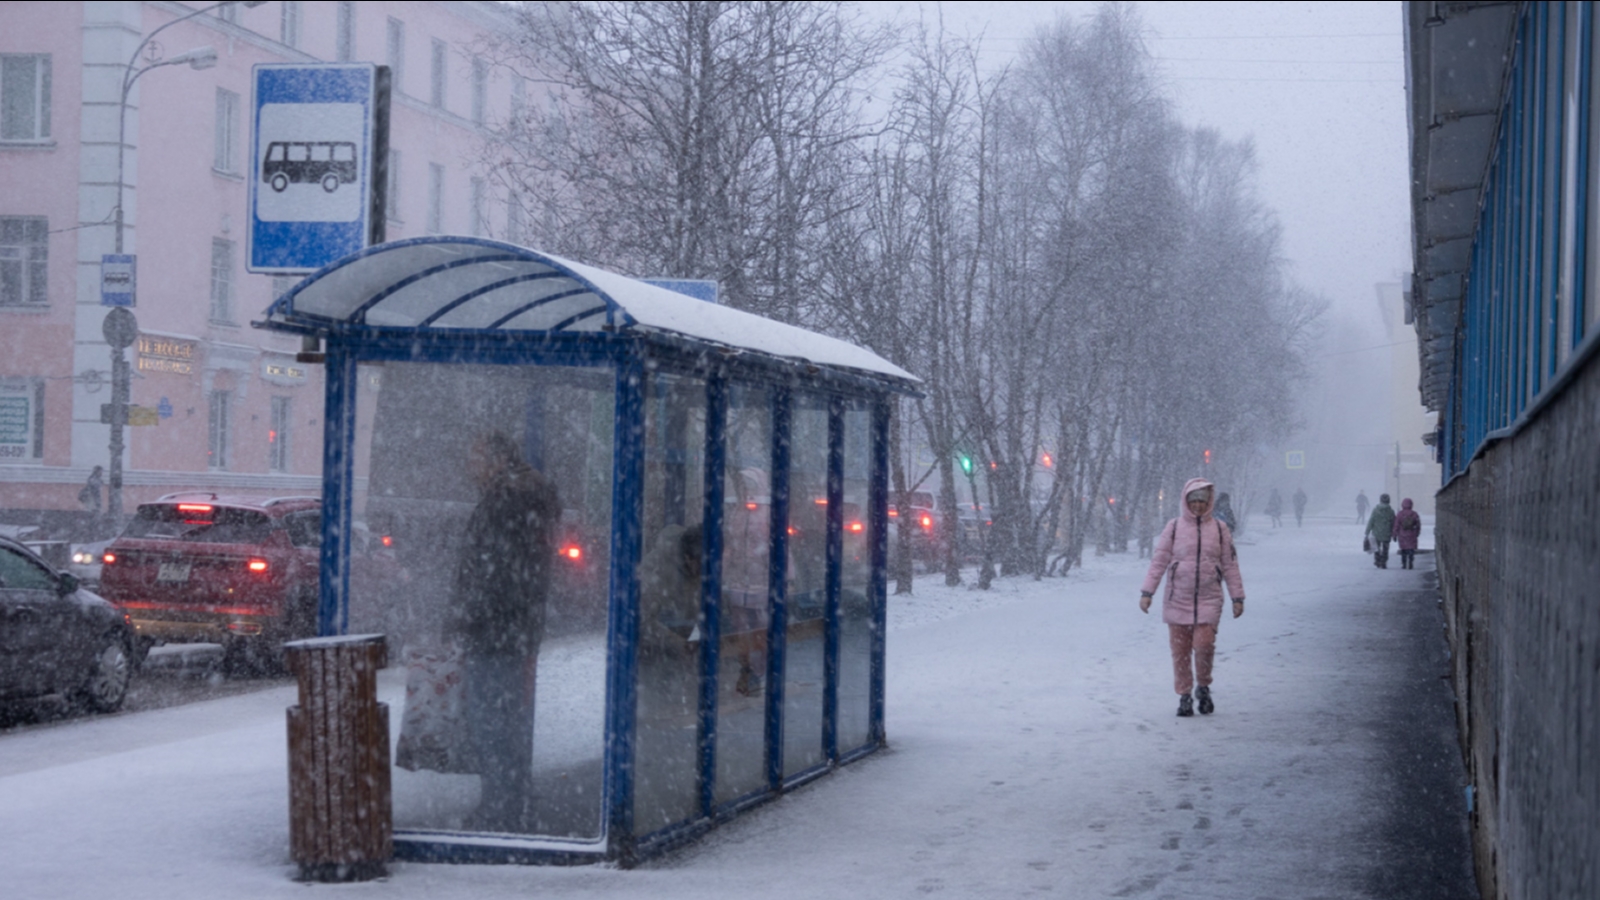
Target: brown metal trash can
<point x="341" y="821"/>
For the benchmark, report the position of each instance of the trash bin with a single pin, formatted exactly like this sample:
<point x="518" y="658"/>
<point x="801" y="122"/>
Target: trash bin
<point x="341" y="820"/>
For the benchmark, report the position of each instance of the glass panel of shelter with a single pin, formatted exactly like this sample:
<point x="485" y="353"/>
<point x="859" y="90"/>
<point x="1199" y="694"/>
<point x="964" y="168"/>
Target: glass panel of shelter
<point x="854" y="707"/>
<point x="488" y="489"/>
<point x="666" y="744"/>
<point x="806" y="585"/>
<point x="741" y="767"/>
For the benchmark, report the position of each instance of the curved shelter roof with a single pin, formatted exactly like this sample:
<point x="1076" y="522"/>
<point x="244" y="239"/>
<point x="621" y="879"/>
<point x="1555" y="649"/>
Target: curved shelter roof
<point x="479" y="286"/>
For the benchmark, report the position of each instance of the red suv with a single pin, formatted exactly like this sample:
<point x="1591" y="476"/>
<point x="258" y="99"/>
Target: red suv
<point x="197" y="567"/>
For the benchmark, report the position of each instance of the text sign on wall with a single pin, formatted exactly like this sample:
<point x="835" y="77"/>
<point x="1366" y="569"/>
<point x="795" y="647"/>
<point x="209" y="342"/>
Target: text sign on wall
<point x="164" y="354"/>
<point x="319" y="138"/>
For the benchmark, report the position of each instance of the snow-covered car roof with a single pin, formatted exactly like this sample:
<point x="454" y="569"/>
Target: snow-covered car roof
<point x="451" y="282"/>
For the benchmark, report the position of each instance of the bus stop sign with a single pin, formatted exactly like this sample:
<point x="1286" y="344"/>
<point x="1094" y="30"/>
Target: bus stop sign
<point x="318" y="159"/>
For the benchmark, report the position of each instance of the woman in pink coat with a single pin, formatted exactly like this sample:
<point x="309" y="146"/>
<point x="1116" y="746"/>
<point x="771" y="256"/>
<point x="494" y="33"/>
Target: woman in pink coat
<point x="1195" y="555"/>
<point x="1407" y="528"/>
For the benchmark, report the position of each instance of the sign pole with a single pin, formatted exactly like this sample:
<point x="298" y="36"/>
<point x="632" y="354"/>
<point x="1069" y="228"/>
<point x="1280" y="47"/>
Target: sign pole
<point x="120" y="329"/>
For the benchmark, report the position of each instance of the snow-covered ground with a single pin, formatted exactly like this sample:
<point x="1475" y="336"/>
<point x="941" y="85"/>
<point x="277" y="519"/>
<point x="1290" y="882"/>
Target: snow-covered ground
<point x="1033" y="751"/>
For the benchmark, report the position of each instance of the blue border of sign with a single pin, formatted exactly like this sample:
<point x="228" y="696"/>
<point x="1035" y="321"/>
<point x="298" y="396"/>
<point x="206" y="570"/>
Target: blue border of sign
<point x="299" y="247"/>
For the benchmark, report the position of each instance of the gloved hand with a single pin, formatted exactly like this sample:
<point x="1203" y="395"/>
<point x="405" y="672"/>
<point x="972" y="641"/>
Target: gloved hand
<point x="1238" y="607"/>
<point x="1144" y="603"/>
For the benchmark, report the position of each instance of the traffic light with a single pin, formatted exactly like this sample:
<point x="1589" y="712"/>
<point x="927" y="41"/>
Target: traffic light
<point x="966" y="463"/>
<point x="1208" y="457"/>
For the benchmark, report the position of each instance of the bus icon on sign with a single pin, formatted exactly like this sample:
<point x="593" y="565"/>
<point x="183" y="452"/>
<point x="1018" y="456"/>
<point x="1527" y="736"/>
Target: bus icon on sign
<point x="328" y="163"/>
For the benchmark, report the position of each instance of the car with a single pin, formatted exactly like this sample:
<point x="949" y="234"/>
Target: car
<point x="196" y="567"/>
<point x="58" y="638"/>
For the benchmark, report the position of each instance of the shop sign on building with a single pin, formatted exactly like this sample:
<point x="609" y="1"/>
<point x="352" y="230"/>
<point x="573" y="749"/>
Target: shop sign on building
<point x="319" y="149"/>
<point x="166" y="354"/>
<point x="283" y="370"/>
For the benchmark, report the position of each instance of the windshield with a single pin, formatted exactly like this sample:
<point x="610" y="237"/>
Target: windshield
<point x="215" y="525"/>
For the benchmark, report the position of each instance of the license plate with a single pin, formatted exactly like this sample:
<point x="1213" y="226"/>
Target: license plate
<point x="173" y="572"/>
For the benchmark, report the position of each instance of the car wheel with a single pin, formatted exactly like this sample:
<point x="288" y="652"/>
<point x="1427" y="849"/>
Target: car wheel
<point x="280" y="182"/>
<point x="330" y="182"/>
<point x="109" y="674"/>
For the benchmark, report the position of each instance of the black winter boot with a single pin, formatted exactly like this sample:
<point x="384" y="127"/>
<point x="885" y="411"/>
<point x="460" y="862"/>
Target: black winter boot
<point x="1186" y="705"/>
<point x="1204" y="694"/>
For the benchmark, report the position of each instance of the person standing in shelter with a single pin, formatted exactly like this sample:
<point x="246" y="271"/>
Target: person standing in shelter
<point x="1299" y="507"/>
<point x="1380" y="527"/>
<point x="497" y="614"/>
<point x="1407" y="528"/>
<point x="1361" y="505"/>
<point x="1274" y="508"/>
<point x="1196" y="556"/>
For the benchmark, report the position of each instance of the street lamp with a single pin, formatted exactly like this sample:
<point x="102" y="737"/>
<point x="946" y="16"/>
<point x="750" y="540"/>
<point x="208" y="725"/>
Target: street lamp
<point x="198" y="58"/>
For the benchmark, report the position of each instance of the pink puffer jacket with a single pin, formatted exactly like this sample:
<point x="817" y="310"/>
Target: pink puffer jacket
<point x="1195" y="555"/>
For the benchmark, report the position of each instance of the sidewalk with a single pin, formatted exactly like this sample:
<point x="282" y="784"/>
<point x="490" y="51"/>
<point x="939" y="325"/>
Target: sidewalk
<point x="1034" y="752"/>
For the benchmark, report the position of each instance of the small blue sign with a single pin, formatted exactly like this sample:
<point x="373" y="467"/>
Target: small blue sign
<point x="118" y="279"/>
<point x="315" y="132"/>
<point x="164" y="408"/>
<point x="700" y="289"/>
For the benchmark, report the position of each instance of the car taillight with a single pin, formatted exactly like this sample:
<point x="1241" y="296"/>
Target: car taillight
<point x="109" y="558"/>
<point x="256" y="564"/>
<point x="855" y="526"/>
<point x="894" y="513"/>
<point x="927" y="521"/>
<point x="571" y="551"/>
<point x="388" y="540"/>
<point x="194" y="507"/>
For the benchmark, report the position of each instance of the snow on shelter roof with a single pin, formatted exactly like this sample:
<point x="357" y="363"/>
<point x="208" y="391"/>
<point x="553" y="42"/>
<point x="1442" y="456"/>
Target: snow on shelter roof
<point x="473" y="284"/>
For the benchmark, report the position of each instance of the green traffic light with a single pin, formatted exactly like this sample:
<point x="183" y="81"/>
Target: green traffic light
<point x="966" y="464"/>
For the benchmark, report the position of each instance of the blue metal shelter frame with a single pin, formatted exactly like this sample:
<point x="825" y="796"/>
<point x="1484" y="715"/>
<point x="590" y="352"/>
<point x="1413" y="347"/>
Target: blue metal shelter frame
<point x="441" y="281"/>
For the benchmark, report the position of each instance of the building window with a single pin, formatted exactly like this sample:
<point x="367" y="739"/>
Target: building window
<point x="289" y="27"/>
<point x="219" y="423"/>
<point x="397" y="53"/>
<point x="480" y="208"/>
<point x="436" y="75"/>
<point x="24" y="259"/>
<point x="24" y="97"/>
<point x="227" y="135"/>
<point x="435" y="222"/>
<point x="344" y="38"/>
<point x="278" y="436"/>
<point x="480" y="91"/>
<point x="222" y="281"/>
<point x="21" y="419"/>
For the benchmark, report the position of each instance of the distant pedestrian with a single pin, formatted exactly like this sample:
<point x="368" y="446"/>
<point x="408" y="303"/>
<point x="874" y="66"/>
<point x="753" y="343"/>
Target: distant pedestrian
<point x="1299" y="507"/>
<point x="1224" y="512"/>
<point x="1407" y="528"/>
<point x="1380" y="527"/>
<point x="1361" y="505"/>
<point x="89" y="494"/>
<point x="1195" y="554"/>
<point x="1275" y="508"/>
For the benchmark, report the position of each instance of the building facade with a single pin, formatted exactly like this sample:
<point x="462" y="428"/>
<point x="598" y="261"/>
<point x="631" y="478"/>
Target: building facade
<point x="1506" y="301"/>
<point x="233" y="410"/>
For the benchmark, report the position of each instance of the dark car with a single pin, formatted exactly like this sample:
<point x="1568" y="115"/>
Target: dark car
<point x="57" y="638"/>
<point x="203" y="568"/>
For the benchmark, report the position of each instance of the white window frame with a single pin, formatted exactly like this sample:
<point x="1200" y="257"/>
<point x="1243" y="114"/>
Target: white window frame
<point x="24" y="262"/>
<point x="222" y="281"/>
<point x="435" y="220"/>
<point x="35" y="90"/>
<point x="278" y="458"/>
<point x="438" y="63"/>
<point x="219" y="425"/>
<point x="289" y="23"/>
<point x="395" y="45"/>
<point x="344" y="31"/>
<point x="226" y="136"/>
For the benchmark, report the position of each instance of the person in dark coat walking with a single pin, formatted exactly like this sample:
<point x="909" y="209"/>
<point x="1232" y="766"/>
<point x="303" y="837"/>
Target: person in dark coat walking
<point x="497" y="615"/>
<point x="1299" y="507"/>
<point x="1380" y="527"/>
<point x="1274" y="508"/>
<point x="1407" y="528"/>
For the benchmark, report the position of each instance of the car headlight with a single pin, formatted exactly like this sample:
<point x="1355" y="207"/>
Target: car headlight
<point x="83" y="558"/>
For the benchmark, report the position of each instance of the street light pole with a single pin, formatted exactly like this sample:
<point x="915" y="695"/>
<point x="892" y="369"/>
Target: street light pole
<point x="198" y="58"/>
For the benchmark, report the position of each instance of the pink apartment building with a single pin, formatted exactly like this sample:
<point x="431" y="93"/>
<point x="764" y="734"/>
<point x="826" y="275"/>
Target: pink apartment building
<point x="237" y="413"/>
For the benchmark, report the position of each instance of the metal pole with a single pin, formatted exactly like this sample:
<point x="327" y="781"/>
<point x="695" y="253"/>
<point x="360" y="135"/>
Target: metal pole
<point x="119" y="416"/>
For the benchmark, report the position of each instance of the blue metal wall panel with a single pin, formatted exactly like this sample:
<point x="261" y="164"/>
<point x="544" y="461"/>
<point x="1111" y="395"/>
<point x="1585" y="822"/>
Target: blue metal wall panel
<point x="711" y="587"/>
<point x="777" y="586"/>
<point x="338" y="477"/>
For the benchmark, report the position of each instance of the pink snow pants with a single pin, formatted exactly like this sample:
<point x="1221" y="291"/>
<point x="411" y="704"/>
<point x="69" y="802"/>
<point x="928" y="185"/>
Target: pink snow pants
<point x="1193" y="647"/>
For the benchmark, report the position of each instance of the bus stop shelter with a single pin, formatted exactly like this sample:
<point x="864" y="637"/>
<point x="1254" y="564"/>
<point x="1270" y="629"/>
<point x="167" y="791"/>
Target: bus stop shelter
<point x="714" y="628"/>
